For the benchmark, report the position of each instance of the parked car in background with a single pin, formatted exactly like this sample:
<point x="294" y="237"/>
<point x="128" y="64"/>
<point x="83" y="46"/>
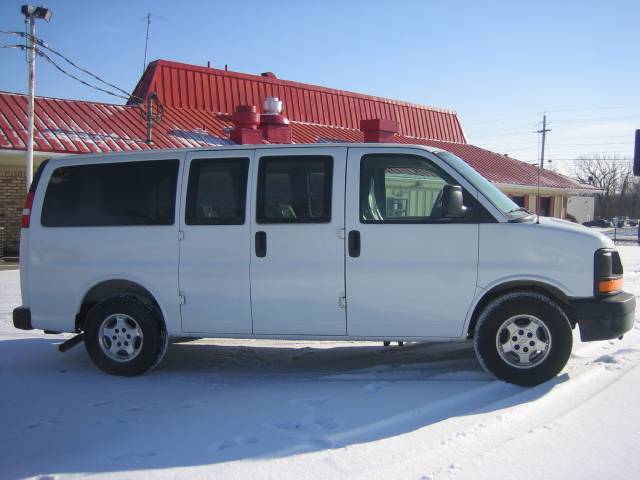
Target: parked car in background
<point x="620" y="221"/>
<point x="600" y="222"/>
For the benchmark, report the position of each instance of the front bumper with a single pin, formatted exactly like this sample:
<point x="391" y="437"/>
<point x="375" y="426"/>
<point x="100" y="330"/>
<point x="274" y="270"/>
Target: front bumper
<point x="22" y="318"/>
<point x="604" y="318"/>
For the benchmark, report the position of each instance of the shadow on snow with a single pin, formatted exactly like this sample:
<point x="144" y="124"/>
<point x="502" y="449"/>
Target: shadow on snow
<point x="208" y="404"/>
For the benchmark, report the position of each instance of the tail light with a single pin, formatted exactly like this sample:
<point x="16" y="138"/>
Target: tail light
<point x="28" y="201"/>
<point x="26" y="210"/>
<point x="607" y="272"/>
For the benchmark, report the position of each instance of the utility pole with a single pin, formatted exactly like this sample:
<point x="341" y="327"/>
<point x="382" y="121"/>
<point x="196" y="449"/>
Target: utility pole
<point x="31" y="13"/>
<point x="32" y="90"/>
<point x="544" y="137"/>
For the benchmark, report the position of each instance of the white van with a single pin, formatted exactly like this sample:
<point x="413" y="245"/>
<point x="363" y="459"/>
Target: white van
<point x="355" y="242"/>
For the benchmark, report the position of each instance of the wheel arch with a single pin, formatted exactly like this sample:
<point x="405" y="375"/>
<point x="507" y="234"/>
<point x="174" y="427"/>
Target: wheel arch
<point x="115" y="286"/>
<point x="496" y="291"/>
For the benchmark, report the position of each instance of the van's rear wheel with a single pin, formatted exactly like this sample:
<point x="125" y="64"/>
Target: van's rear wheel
<point x="523" y="338"/>
<point x="124" y="335"/>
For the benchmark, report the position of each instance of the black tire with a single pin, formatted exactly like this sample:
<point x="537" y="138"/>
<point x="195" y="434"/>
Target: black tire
<point x="152" y="345"/>
<point x="543" y="318"/>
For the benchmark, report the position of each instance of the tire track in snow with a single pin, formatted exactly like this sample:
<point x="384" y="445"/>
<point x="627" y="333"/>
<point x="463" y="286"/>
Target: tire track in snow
<point x="448" y="445"/>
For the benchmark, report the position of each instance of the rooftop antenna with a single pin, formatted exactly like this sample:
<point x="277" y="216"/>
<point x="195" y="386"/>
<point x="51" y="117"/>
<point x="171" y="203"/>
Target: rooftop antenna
<point x="146" y="42"/>
<point x="148" y="17"/>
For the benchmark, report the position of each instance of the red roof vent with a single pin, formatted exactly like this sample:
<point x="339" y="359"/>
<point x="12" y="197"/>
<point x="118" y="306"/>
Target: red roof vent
<point x="275" y="126"/>
<point x="379" y="130"/>
<point x="246" y="120"/>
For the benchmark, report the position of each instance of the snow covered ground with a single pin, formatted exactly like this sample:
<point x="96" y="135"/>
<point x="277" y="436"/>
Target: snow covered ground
<point x="258" y="409"/>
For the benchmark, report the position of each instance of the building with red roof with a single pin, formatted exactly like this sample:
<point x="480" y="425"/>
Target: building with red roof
<point x="201" y="109"/>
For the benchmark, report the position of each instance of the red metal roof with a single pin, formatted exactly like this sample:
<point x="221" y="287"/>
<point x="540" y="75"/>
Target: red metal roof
<point x="212" y="90"/>
<point x="73" y="126"/>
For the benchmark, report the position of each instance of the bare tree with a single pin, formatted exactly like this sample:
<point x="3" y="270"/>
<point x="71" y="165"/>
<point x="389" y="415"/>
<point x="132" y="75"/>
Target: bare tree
<point x="612" y="175"/>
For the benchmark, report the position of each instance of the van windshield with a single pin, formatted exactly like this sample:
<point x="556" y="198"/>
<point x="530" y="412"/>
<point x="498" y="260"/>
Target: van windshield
<point x="485" y="187"/>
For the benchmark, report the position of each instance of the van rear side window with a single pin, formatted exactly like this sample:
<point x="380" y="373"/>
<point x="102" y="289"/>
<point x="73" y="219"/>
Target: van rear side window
<point x="111" y="194"/>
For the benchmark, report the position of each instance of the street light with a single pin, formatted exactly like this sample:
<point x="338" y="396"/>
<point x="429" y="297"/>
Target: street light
<point x="32" y="13"/>
<point x="36" y="12"/>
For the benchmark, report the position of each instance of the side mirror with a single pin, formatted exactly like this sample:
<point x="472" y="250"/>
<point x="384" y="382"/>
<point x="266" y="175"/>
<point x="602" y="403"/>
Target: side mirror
<point x="636" y="155"/>
<point x="452" y="206"/>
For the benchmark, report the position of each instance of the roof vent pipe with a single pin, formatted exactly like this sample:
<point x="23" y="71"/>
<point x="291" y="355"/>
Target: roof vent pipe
<point x="245" y="125"/>
<point x="274" y="125"/>
<point x="379" y="130"/>
<point x="272" y="106"/>
<point x="152" y="116"/>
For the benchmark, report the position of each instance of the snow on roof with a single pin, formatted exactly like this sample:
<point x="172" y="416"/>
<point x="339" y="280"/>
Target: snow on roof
<point x="74" y="126"/>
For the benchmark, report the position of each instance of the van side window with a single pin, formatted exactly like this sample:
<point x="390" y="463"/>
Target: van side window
<point x="217" y="190"/>
<point x="111" y="194"/>
<point x="294" y="189"/>
<point x="403" y="189"/>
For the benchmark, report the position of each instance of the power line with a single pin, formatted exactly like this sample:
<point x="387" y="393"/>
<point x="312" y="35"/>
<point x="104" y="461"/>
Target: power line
<point x="549" y="145"/>
<point x="597" y="119"/>
<point x="515" y="126"/>
<point x="518" y="149"/>
<point x="619" y="107"/>
<point x="62" y="70"/>
<point x="518" y="144"/>
<point x="630" y="142"/>
<point x="564" y="123"/>
<point x="504" y="118"/>
<point x="503" y="134"/>
<point x="43" y="44"/>
<point x="576" y="159"/>
<point x="71" y="75"/>
<point x="604" y="137"/>
<point x="559" y="110"/>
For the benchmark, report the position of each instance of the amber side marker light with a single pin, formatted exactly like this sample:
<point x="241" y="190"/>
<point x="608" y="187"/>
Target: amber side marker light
<point x="610" y="286"/>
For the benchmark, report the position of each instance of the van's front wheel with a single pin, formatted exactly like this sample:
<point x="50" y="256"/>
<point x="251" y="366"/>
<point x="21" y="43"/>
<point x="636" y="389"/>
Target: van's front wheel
<point x="523" y="338"/>
<point x="124" y="336"/>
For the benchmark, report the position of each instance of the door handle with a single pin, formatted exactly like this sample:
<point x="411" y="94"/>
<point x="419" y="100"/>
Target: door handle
<point x="261" y="244"/>
<point x="354" y="243"/>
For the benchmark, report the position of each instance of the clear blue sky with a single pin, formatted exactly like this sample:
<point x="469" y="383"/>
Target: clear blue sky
<point x="486" y="60"/>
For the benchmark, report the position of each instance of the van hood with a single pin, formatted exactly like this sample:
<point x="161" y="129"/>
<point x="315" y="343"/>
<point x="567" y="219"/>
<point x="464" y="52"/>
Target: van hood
<point x="580" y="231"/>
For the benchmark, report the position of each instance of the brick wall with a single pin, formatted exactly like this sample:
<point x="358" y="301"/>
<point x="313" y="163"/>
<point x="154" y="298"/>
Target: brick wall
<point x="12" y="193"/>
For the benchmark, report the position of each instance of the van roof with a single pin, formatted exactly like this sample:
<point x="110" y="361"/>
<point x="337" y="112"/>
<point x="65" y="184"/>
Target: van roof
<point x="154" y="153"/>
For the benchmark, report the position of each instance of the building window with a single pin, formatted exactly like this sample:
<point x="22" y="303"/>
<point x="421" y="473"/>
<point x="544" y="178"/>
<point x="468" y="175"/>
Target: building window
<point x="545" y="207"/>
<point x="518" y="200"/>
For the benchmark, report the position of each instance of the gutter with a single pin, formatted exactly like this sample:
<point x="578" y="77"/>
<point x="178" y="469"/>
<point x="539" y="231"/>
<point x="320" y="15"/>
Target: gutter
<point x="511" y="187"/>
